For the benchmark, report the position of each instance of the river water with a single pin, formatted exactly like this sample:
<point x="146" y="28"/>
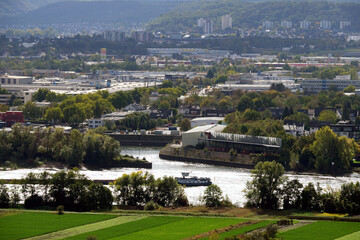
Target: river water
<point x="232" y="181"/>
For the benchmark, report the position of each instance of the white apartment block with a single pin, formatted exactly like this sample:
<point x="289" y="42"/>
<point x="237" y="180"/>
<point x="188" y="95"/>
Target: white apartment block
<point x="325" y="24"/>
<point x="267" y="25"/>
<point x="206" y="25"/>
<point x="286" y="24"/>
<point x="226" y="22"/>
<point x="344" y="24"/>
<point x="305" y="24"/>
<point x="115" y="36"/>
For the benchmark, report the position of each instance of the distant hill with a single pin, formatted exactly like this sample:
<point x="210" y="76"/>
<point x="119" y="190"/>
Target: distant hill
<point x="93" y="11"/>
<point x="15" y="7"/>
<point x="252" y="14"/>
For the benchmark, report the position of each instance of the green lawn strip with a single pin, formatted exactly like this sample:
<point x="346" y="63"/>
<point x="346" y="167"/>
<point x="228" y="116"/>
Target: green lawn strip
<point x="29" y="224"/>
<point x="321" y="230"/>
<point x="84" y="229"/>
<point x="245" y="229"/>
<point x="352" y="236"/>
<point x="188" y="227"/>
<point x="129" y="227"/>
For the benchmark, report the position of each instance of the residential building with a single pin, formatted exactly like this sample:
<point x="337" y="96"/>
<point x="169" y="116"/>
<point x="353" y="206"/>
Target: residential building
<point x="95" y="122"/>
<point x="344" y="24"/>
<point x="267" y="25"/>
<point x="114" y="36"/>
<point x="316" y="125"/>
<point x="15" y="80"/>
<point x="286" y="24"/>
<point x="142" y="36"/>
<point x="226" y="22"/>
<point x="200" y="22"/>
<point x="190" y="111"/>
<point x="134" y="107"/>
<point x="347" y="129"/>
<point x="294" y="128"/>
<point x="208" y="27"/>
<point x="325" y="24"/>
<point x="317" y="85"/>
<point x="305" y="24"/>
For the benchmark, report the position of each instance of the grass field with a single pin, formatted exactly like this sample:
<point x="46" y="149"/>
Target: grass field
<point x="321" y="230"/>
<point x="245" y="229"/>
<point x="29" y="224"/>
<point x="161" y="227"/>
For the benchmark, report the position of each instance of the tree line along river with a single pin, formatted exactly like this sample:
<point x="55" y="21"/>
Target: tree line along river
<point x="232" y="181"/>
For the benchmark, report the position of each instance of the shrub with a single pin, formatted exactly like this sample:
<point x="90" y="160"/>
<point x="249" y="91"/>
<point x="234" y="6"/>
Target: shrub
<point x="150" y="206"/>
<point x="34" y="201"/>
<point x="60" y="210"/>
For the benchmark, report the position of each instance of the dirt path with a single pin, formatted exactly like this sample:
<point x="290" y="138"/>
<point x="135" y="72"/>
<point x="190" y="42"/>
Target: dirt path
<point x="86" y="228"/>
<point x="297" y="225"/>
<point x="222" y="230"/>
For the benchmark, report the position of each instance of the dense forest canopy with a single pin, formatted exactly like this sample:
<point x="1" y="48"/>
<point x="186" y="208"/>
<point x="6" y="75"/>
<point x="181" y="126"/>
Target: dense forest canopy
<point x="251" y="15"/>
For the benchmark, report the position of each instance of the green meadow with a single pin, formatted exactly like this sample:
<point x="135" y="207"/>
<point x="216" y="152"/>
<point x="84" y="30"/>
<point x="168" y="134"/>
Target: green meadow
<point x="29" y="224"/>
<point x="71" y="226"/>
<point x="321" y="230"/>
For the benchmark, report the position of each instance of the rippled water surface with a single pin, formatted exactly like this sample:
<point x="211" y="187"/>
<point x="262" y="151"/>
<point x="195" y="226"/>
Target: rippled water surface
<point x="232" y="181"/>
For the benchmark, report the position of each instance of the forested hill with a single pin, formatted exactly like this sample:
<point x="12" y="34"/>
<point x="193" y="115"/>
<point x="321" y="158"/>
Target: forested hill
<point x="251" y="15"/>
<point x="94" y="11"/>
<point x="15" y="7"/>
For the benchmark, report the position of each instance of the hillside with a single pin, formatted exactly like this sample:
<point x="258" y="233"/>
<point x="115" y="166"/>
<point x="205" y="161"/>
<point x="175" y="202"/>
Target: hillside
<point x="93" y="11"/>
<point x="15" y="7"/>
<point x="251" y="15"/>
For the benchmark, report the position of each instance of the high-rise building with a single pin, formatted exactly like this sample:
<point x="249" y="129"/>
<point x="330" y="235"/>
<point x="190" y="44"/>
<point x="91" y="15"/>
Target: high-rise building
<point x="344" y="24"/>
<point x="200" y="22"/>
<point x="325" y="24"/>
<point x="115" y="36"/>
<point x="305" y="24"/>
<point x="142" y="36"/>
<point x="286" y="24"/>
<point x="267" y="25"/>
<point x="206" y="25"/>
<point x="226" y="22"/>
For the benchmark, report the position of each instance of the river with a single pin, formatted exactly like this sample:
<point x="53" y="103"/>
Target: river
<point x="232" y="181"/>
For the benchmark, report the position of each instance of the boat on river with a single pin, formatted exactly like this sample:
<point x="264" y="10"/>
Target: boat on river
<point x="185" y="180"/>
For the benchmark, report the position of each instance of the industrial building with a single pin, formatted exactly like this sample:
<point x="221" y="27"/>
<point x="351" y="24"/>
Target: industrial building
<point x="211" y="136"/>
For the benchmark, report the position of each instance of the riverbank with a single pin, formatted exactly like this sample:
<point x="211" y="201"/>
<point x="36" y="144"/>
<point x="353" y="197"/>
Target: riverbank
<point x="142" y="139"/>
<point x="175" y="153"/>
<point x="123" y="161"/>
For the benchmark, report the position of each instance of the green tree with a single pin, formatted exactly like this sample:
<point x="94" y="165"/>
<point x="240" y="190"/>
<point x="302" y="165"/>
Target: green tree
<point x="292" y="194"/>
<point x="210" y="74"/>
<point x="221" y="79"/>
<point x="264" y="190"/>
<point x="31" y="111"/>
<point x="54" y="115"/>
<point x="346" y="108"/>
<point x="328" y="116"/>
<point x="40" y="95"/>
<point x="333" y="154"/>
<point x="185" y="125"/>
<point x="350" y="89"/>
<point x="167" y="191"/>
<point x="213" y="196"/>
<point x="244" y="102"/>
<point x="164" y="105"/>
<point x="99" y="197"/>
